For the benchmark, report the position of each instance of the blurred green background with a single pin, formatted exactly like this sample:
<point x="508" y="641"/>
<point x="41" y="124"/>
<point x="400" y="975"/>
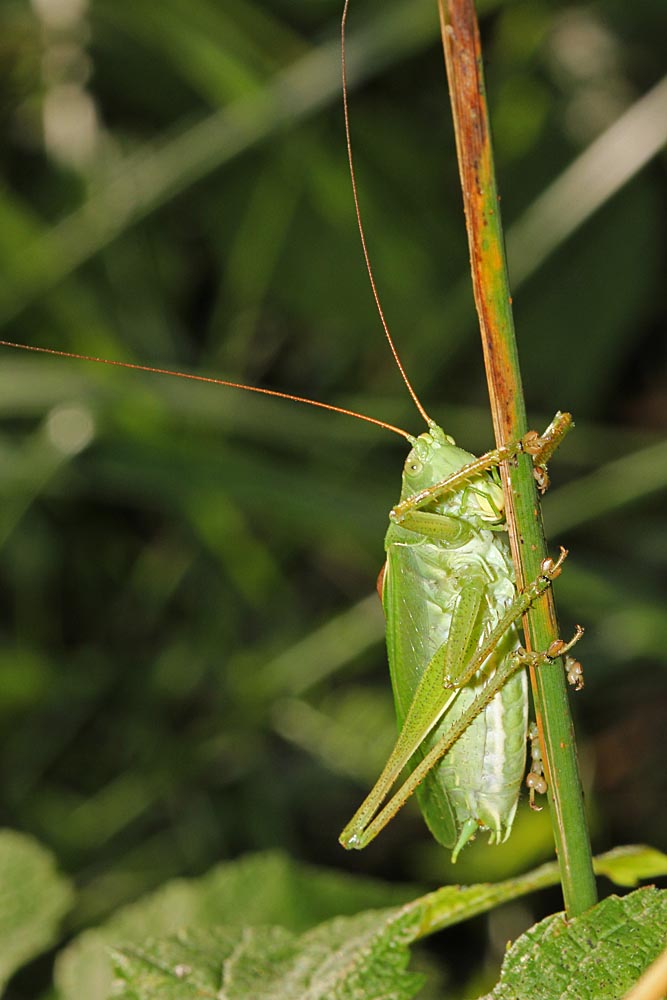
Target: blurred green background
<point x="191" y="656"/>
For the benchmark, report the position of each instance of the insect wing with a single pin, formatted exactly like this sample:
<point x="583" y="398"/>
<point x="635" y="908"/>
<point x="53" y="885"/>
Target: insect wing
<point x="415" y="628"/>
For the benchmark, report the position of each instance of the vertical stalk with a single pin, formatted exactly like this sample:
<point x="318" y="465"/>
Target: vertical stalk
<point x="461" y="43"/>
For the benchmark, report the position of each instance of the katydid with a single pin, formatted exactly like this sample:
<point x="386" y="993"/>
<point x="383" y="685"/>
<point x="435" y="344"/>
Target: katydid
<point x="454" y="654"/>
<point x="449" y="597"/>
<point x="451" y="608"/>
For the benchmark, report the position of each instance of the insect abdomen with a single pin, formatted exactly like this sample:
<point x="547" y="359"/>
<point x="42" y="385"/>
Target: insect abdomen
<point x="483" y="773"/>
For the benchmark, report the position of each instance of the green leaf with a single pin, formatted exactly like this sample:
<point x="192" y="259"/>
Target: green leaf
<point x="454" y="903"/>
<point x="348" y="957"/>
<point x="246" y="896"/>
<point x="33" y="898"/>
<point x="260" y="889"/>
<point x="598" y="955"/>
<point x="629" y="865"/>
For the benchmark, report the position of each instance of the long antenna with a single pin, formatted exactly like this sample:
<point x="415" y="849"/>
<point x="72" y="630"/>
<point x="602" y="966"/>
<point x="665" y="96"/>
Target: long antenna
<point x="211" y="381"/>
<point x="369" y="268"/>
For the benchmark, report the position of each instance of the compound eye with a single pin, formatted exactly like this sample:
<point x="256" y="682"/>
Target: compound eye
<point x="413" y="466"/>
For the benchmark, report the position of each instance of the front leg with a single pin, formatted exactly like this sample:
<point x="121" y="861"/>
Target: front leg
<point x="539" y="447"/>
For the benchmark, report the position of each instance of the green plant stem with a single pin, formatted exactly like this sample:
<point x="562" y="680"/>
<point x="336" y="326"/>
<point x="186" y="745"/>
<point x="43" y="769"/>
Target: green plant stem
<point x="460" y="36"/>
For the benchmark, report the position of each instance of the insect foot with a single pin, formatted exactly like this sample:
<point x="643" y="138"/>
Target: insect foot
<point x="531" y="443"/>
<point x="535" y="779"/>
<point x="558" y="647"/>
<point x="542" y="446"/>
<point x="555" y="649"/>
<point x="574" y="672"/>
<point x="541" y="477"/>
<point x="536" y="783"/>
<point x="551" y="569"/>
